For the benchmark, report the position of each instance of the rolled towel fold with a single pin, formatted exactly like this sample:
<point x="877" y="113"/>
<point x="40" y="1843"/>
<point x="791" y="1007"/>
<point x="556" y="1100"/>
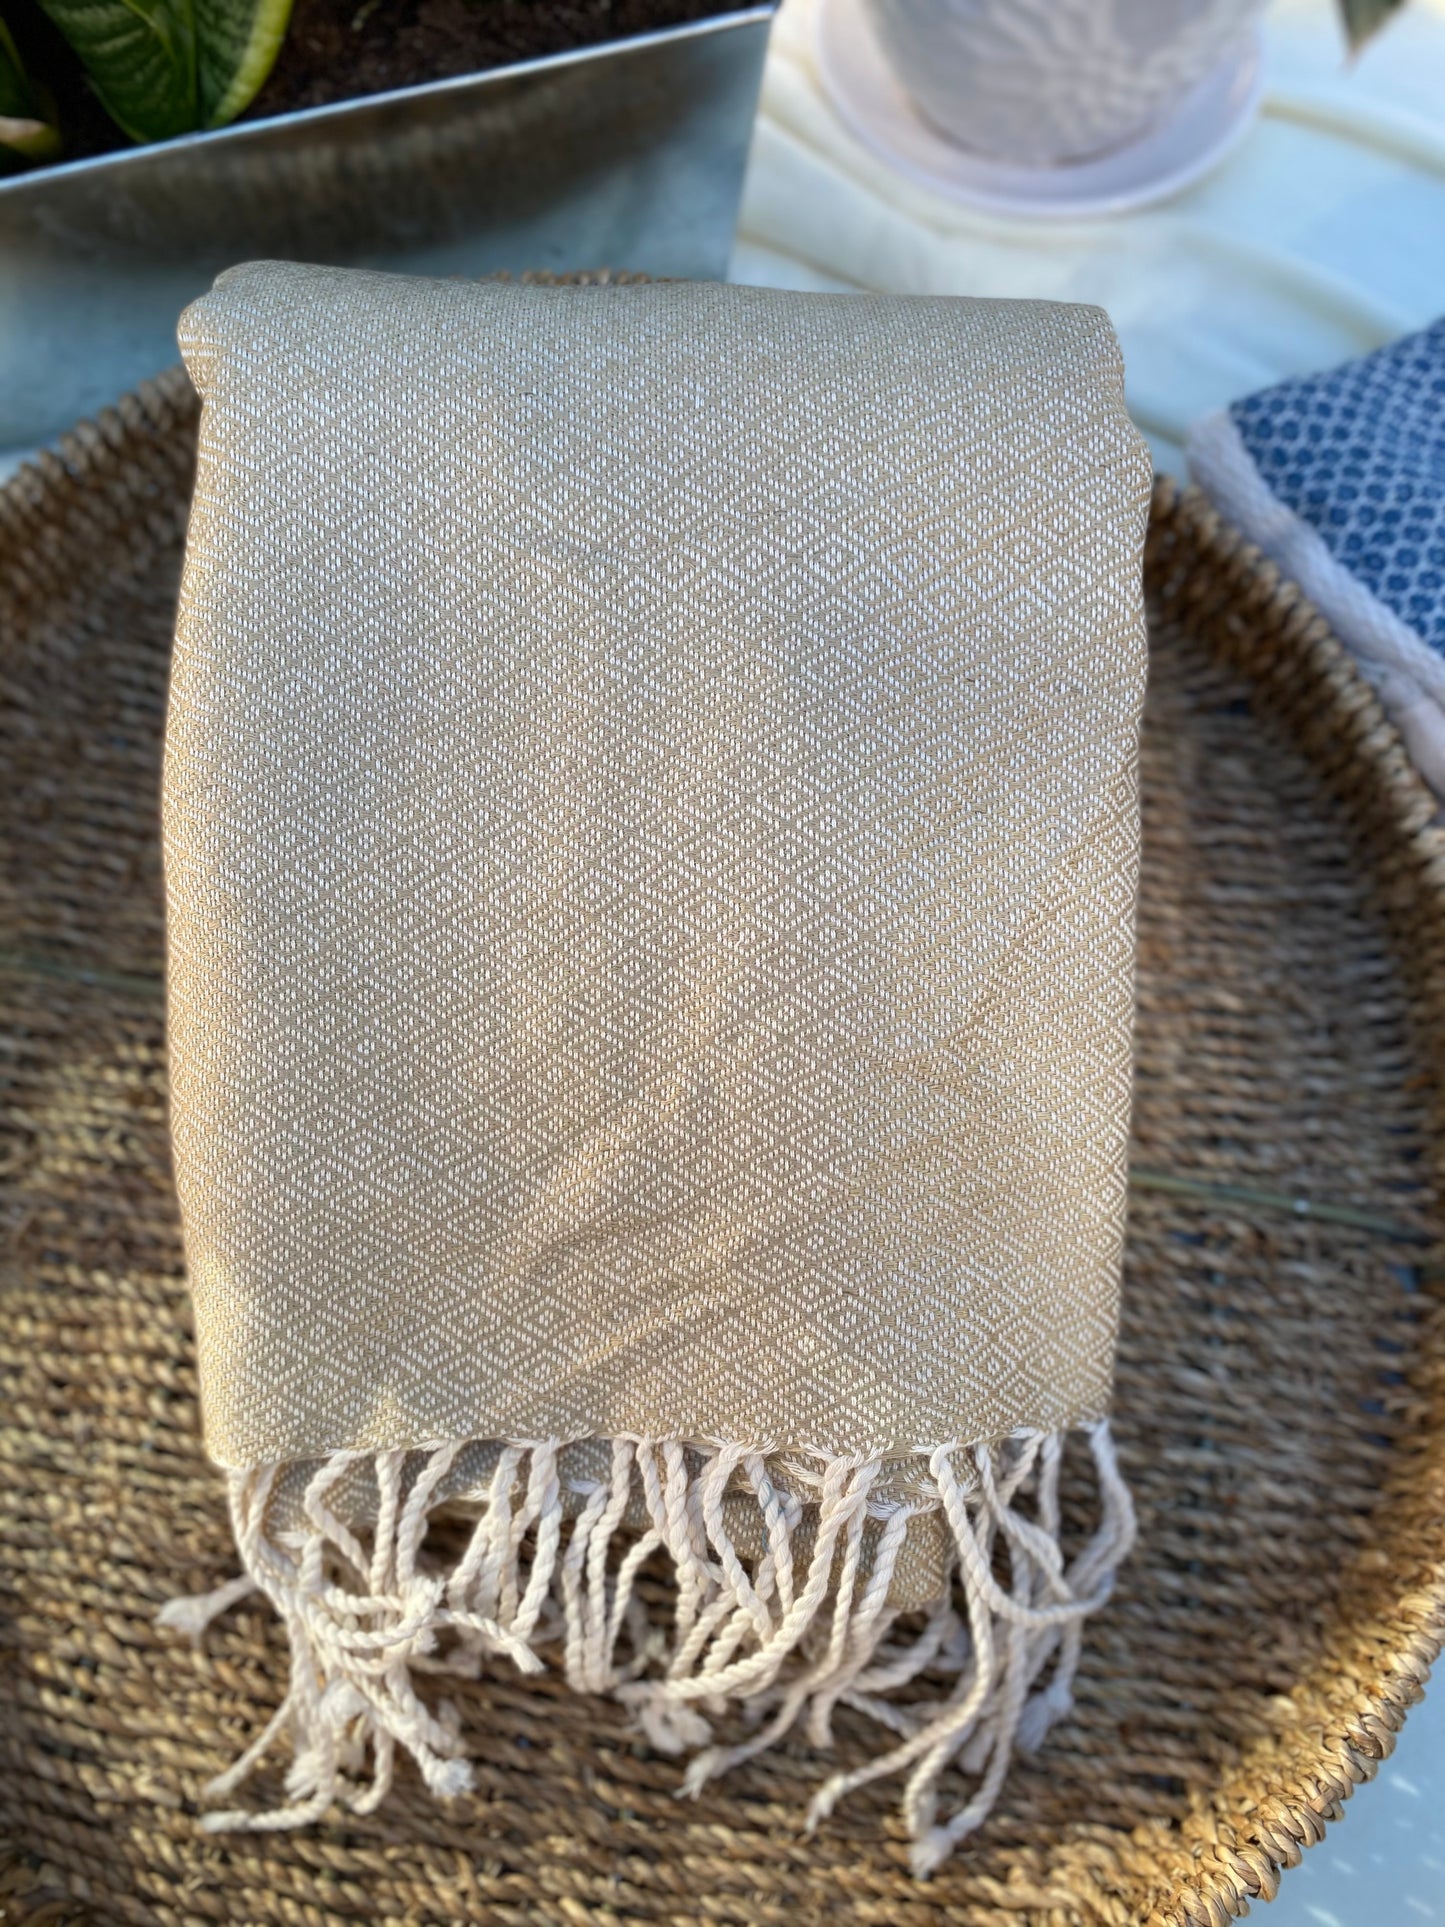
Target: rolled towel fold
<point x="651" y="837"/>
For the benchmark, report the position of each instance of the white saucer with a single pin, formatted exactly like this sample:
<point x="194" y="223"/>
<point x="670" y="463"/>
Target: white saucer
<point x="861" y="86"/>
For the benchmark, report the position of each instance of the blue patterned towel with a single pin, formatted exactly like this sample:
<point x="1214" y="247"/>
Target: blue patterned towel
<point x="1340" y="477"/>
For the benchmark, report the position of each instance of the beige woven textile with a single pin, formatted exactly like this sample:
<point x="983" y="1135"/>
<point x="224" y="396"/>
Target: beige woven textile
<point x="650" y="830"/>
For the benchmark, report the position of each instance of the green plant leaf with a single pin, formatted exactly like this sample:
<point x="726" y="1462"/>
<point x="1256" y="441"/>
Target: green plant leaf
<point x="27" y="114"/>
<point x="237" y="42"/>
<point x="166" y="67"/>
<point x="1362" y="18"/>
<point x="141" y="59"/>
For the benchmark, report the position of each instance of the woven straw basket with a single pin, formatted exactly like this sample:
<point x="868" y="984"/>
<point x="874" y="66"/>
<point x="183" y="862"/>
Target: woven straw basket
<point x="1282" y="1370"/>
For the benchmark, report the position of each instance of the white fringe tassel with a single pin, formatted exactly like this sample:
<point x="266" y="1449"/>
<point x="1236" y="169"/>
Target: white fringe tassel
<point x="795" y="1631"/>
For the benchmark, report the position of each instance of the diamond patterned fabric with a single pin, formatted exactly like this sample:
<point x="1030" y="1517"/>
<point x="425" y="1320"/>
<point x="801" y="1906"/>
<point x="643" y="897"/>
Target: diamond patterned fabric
<point x="651" y="836"/>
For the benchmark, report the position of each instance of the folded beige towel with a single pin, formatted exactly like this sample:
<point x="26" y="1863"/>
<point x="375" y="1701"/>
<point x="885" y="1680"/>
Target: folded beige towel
<point x="651" y="837"/>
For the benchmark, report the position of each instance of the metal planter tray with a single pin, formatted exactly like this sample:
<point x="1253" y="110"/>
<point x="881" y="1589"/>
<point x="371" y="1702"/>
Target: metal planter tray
<point x="629" y="155"/>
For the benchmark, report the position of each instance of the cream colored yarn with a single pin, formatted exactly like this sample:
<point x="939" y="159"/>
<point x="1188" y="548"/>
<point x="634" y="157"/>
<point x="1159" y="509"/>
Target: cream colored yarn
<point x="651" y="839"/>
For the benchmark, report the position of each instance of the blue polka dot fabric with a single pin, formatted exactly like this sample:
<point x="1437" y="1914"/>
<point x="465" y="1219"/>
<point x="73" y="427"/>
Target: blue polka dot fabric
<point x="1359" y="454"/>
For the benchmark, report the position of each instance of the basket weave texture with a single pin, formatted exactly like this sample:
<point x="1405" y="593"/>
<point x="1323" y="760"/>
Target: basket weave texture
<point x="1281" y="1400"/>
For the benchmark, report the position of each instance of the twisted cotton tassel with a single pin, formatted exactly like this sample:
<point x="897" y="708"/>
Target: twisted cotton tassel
<point x="795" y="1630"/>
<point x="1013" y="1635"/>
<point x="353" y="1646"/>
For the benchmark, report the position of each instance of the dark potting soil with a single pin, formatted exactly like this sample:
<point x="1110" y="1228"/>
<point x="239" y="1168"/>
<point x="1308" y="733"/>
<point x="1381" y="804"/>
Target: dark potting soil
<point x="340" y="49"/>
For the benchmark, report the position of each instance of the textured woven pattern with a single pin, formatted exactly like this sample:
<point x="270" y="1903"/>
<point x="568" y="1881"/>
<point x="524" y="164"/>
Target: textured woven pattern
<point x="1281" y="1387"/>
<point x="651" y="839"/>
<point x="1358" y="454"/>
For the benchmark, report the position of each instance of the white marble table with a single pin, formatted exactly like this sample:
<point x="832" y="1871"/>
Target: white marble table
<point x="1322" y="235"/>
